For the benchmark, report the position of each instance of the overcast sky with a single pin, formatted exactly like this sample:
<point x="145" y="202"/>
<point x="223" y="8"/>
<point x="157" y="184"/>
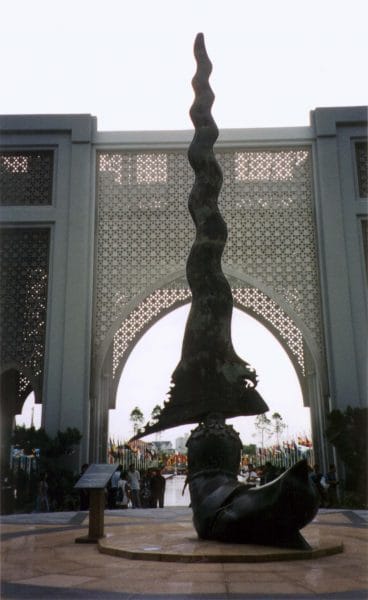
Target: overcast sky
<point x="130" y="64"/>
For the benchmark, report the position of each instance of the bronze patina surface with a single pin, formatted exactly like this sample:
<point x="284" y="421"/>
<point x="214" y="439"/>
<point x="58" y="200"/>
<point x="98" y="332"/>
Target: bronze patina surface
<point x="212" y="383"/>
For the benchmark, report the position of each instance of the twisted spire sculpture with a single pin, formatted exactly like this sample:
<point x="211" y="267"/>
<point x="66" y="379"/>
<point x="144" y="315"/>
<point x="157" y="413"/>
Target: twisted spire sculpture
<point x="210" y="377"/>
<point x="212" y="383"/>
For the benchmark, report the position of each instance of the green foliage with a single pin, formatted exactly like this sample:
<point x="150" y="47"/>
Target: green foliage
<point x="30" y="439"/>
<point x="278" y="425"/>
<point x="136" y="415"/>
<point x="263" y="425"/>
<point x="137" y="418"/>
<point x="51" y="453"/>
<point x="156" y="411"/>
<point x="347" y="431"/>
<point x="68" y="438"/>
<point x="250" y="449"/>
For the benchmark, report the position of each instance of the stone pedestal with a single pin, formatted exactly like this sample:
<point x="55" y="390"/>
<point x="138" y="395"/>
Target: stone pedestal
<point x="96" y="518"/>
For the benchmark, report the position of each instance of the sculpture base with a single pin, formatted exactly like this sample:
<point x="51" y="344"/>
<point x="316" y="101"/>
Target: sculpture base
<point x="178" y="542"/>
<point x="227" y="511"/>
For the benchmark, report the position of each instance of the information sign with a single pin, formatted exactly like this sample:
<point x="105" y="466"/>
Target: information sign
<point x="96" y="476"/>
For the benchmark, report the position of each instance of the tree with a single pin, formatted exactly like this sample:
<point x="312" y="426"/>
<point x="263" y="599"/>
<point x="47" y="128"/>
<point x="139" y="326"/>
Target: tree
<point x="263" y="426"/>
<point x="278" y="426"/>
<point x="51" y="455"/>
<point x="30" y="439"/>
<point x="156" y="411"/>
<point x="250" y="449"/>
<point x="137" y="418"/>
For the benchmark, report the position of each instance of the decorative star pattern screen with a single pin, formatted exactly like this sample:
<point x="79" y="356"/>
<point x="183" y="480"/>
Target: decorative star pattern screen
<point x="24" y="254"/>
<point x="361" y="152"/>
<point x="145" y="233"/>
<point x="26" y="177"/>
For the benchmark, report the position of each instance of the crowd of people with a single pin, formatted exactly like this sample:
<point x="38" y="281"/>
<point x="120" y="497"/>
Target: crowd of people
<point x="252" y="475"/>
<point x="326" y="484"/>
<point x="136" y="490"/>
<point x="147" y="490"/>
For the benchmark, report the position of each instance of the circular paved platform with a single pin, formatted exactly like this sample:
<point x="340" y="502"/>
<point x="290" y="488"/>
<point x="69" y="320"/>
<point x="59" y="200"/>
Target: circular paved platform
<point x="178" y="542"/>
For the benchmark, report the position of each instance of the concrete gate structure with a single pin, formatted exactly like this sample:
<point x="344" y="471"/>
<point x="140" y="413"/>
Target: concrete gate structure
<point x="95" y="234"/>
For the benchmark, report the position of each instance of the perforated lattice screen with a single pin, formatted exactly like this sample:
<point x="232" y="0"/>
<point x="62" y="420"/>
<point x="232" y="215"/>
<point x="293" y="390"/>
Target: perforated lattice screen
<point x="145" y="233"/>
<point x="23" y="297"/>
<point x="251" y="299"/>
<point x="361" y="149"/>
<point x="365" y="243"/>
<point x="26" y="177"/>
<point x="146" y="313"/>
<point x="256" y="301"/>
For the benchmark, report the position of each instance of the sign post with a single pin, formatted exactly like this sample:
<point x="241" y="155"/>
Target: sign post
<point x="95" y="480"/>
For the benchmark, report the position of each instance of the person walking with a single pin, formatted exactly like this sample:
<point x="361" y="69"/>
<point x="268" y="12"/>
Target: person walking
<point x="134" y="484"/>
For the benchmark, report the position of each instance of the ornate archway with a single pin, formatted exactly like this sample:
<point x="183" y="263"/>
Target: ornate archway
<point x="292" y="335"/>
<point x="144" y="233"/>
<point x="283" y="190"/>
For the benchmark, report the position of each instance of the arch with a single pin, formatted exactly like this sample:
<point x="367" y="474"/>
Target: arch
<point x="145" y="378"/>
<point x="14" y="388"/>
<point x="30" y="413"/>
<point x="250" y="296"/>
<point x="27" y="382"/>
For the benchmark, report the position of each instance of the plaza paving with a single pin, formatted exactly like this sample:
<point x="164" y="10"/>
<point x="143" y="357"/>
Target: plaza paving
<point x="40" y="560"/>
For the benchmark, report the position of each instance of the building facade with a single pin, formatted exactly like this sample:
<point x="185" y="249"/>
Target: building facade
<point x="95" y="234"/>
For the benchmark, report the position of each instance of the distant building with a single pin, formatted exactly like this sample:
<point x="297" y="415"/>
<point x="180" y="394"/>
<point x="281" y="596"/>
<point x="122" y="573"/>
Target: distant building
<point x="163" y="446"/>
<point x="180" y="444"/>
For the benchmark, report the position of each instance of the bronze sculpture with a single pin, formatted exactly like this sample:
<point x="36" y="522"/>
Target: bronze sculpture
<point x="210" y="377"/>
<point x="212" y="383"/>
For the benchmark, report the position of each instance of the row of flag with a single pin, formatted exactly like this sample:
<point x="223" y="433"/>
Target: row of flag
<point x="288" y="446"/>
<point x="284" y="454"/>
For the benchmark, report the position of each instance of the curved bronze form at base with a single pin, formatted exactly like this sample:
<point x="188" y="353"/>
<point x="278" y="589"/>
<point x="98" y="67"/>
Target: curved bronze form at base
<point x="229" y="511"/>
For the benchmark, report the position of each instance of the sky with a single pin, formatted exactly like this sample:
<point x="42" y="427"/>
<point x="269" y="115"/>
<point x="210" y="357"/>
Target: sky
<point x="130" y="64"/>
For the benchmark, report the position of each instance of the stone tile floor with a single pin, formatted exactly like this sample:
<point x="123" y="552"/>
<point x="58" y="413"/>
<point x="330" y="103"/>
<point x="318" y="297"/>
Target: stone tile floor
<point x="40" y="560"/>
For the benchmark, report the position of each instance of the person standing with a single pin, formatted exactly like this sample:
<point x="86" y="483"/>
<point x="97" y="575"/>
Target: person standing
<point x="158" y="484"/>
<point x="83" y="492"/>
<point x="146" y="493"/>
<point x="134" y="484"/>
<point x="42" y="501"/>
<point x="251" y="475"/>
<point x="316" y="477"/>
<point x="112" y="490"/>
<point x="269" y="473"/>
<point x="332" y="483"/>
<point x="123" y="491"/>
